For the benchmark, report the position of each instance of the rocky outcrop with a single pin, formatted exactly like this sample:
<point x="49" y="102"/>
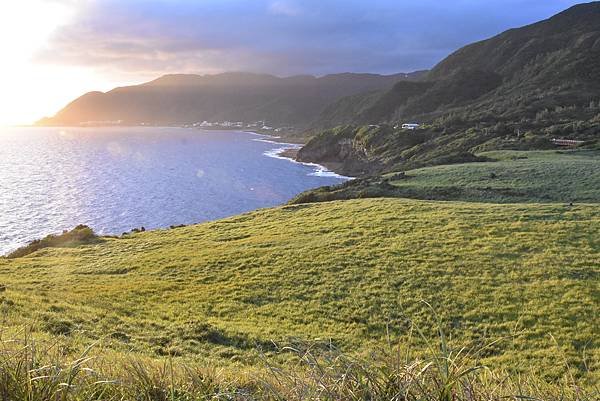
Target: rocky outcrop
<point x="340" y="151"/>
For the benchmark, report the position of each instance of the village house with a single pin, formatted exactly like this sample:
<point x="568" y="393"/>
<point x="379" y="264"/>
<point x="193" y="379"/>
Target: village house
<point x="411" y="126"/>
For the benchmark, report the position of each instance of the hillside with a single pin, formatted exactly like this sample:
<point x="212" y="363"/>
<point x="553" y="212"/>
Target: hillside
<point x="562" y="176"/>
<point x="350" y="273"/>
<point x="181" y="99"/>
<point x="516" y="74"/>
<point x="518" y="90"/>
<point x="374" y="149"/>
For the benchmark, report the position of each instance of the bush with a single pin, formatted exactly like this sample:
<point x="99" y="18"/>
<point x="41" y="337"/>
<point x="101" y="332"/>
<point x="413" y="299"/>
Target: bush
<point x="458" y="158"/>
<point x="80" y="235"/>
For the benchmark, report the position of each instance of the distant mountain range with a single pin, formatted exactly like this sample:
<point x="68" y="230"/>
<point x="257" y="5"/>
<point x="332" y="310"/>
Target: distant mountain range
<point x="184" y="99"/>
<point x="517" y="90"/>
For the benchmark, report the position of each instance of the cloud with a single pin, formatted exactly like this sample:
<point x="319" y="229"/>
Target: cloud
<point x="284" y="37"/>
<point x="286" y="8"/>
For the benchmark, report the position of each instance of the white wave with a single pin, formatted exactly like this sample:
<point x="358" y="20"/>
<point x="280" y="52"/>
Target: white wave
<point x="319" y="170"/>
<point x="289" y="145"/>
<point x="276" y="153"/>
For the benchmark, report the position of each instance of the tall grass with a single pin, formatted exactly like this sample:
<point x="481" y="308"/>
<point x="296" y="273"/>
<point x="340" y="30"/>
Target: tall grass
<point x="36" y="371"/>
<point x="395" y="374"/>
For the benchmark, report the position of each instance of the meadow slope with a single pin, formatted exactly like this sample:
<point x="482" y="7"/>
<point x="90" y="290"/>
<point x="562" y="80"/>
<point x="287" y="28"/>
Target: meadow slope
<point x="507" y="176"/>
<point x="350" y="273"/>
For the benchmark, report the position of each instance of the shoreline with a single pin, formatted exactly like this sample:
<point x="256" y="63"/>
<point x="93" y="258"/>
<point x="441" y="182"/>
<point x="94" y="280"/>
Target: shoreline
<point x="289" y="153"/>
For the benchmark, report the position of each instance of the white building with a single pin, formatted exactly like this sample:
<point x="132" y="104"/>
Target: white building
<point x="411" y="126"/>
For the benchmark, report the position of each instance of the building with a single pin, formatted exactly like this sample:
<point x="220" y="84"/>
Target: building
<point x="567" y="142"/>
<point x="411" y="126"/>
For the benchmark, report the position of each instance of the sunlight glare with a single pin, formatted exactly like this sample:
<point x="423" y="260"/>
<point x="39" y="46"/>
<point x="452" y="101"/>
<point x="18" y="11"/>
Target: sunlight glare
<point x="31" y="90"/>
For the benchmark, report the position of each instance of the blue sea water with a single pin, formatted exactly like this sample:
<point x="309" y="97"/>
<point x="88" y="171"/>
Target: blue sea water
<point x="115" y="179"/>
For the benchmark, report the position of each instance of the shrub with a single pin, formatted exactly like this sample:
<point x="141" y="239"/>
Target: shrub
<point x="458" y="158"/>
<point x="80" y="235"/>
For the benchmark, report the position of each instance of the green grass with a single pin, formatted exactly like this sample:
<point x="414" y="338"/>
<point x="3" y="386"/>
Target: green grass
<point x="34" y="370"/>
<point x="352" y="274"/>
<point x="516" y="176"/>
<point x="513" y="177"/>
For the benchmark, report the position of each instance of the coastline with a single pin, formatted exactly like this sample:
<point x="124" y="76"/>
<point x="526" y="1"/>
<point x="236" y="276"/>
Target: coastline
<point x="289" y="152"/>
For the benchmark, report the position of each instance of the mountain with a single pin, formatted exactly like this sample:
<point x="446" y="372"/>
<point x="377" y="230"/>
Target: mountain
<point x="552" y="63"/>
<point x="180" y="99"/>
<point x="517" y="90"/>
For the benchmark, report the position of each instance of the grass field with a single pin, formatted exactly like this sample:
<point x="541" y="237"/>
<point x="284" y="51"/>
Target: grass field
<point x="510" y="177"/>
<point x="352" y="274"/>
<point x="540" y="176"/>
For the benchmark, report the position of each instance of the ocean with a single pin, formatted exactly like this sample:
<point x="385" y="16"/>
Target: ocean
<point x="116" y="179"/>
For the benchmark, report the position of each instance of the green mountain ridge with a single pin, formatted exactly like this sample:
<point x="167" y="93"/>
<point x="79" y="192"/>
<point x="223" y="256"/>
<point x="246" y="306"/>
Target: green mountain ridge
<point x="558" y="58"/>
<point x="235" y="96"/>
<point x="518" y="90"/>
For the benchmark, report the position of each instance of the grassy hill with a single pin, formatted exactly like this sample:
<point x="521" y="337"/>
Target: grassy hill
<point x="352" y="274"/>
<point x="505" y="176"/>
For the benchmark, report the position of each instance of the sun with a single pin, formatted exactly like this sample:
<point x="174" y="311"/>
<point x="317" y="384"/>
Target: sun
<point x="30" y="89"/>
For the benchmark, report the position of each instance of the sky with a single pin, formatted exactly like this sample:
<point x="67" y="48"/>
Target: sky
<point x="56" y="50"/>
